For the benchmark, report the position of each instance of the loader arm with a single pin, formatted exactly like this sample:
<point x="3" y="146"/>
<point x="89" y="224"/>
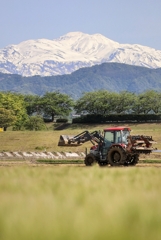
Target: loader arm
<point x="69" y="140"/>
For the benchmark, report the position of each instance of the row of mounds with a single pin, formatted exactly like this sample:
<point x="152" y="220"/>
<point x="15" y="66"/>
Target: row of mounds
<point x="62" y="155"/>
<point x="41" y="155"/>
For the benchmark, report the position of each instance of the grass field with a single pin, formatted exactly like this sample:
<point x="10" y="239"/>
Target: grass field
<point x="61" y="202"/>
<point x="48" y="140"/>
<point x="78" y="203"/>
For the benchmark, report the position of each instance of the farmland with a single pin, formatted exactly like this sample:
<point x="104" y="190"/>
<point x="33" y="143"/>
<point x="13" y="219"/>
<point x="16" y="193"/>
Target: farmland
<point x="48" y="201"/>
<point x="48" y="140"/>
<point x="70" y="202"/>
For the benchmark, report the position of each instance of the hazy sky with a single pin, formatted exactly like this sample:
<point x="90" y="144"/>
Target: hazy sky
<point x="124" y="21"/>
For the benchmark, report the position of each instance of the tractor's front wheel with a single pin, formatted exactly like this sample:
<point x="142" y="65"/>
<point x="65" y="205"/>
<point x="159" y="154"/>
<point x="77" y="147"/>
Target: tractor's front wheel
<point x="89" y="160"/>
<point x="116" y="156"/>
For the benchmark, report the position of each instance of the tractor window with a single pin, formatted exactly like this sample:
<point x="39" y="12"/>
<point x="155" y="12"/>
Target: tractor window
<point x="125" y="134"/>
<point x="121" y="136"/>
<point x="109" y="137"/>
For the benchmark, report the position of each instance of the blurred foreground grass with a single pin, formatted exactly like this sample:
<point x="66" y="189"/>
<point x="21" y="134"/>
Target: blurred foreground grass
<point x="78" y="203"/>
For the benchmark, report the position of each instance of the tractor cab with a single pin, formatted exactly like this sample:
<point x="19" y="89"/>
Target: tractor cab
<point x="115" y="136"/>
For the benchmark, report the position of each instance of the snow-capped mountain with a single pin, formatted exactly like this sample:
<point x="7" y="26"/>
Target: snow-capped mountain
<point x="71" y="52"/>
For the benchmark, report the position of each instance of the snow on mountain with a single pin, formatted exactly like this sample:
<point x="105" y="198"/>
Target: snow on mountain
<point x="70" y="52"/>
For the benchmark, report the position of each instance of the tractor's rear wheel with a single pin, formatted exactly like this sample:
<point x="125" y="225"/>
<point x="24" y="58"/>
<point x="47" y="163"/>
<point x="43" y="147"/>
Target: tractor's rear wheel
<point x="116" y="156"/>
<point x="89" y="160"/>
<point x="132" y="160"/>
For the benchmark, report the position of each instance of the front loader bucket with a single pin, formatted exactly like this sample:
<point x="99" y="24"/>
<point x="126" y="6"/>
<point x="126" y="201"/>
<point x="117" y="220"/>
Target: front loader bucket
<point x="67" y="140"/>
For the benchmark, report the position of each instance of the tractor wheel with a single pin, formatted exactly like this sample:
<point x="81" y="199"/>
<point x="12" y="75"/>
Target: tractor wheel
<point x="116" y="156"/>
<point x="132" y="160"/>
<point x="89" y="160"/>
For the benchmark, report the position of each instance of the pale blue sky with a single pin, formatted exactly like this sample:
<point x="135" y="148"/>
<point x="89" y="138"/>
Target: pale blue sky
<point x="124" y="21"/>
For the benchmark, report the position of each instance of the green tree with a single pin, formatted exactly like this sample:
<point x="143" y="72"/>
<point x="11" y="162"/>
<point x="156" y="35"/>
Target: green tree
<point x="150" y="101"/>
<point x="86" y="104"/>
<point x="156" y="102"/>
<point x="124" y="102"/>
<point x="56" y="103"/>
<point x="15" y="103"/>
<point x="105" y="102"/>
<point x="98" y="102"/>
<point x="136" y="107"/>
<point x="35" y="123"/>
<point x="146" y="102"/>
<point x="7" y="118"/>
<point x="33" y="104"/>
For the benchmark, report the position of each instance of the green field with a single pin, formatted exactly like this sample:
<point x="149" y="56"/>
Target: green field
<point x="48" y="140"/>
<point x="48" y="201"/>
<point x="71" y="202"/>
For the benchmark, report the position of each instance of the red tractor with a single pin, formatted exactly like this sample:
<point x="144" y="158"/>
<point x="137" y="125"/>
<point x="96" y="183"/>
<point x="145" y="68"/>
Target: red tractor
<point x="115" y="146"/>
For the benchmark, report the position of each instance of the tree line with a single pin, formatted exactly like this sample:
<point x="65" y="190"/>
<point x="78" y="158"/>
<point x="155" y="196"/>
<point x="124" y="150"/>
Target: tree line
<point x="104" y="102"/>
<point x="28" y="111"/>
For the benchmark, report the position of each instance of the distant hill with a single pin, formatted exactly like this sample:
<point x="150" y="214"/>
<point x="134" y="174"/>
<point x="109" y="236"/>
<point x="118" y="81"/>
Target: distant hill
<point x="114" y="77"/>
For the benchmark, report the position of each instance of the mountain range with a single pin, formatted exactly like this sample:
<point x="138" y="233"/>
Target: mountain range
<point x="71" y="52"/>
<point x="113" y="77"/>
